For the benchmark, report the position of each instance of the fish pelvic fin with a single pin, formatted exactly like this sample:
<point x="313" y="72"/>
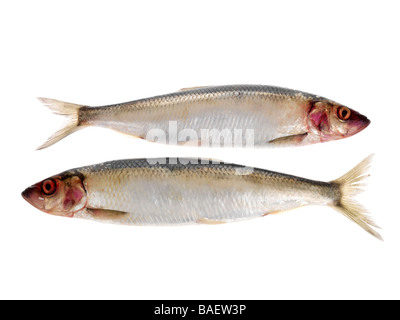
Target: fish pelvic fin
<point x="291" y="140"/>
<point x="350" y="185"/>
<point x="71" y="111"/>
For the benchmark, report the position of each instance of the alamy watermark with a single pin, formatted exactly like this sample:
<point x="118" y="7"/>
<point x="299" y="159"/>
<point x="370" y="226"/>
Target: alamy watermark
<point x="210" y="138"/>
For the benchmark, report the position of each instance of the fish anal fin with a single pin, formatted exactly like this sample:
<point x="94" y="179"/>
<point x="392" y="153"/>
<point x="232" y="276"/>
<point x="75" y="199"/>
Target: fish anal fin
<point x="295" y="205"/>
<point x="105" y="214"/>
<point x="289" y="140"/>
<point x="209" y="221"/>
<point x="272" y="212"/>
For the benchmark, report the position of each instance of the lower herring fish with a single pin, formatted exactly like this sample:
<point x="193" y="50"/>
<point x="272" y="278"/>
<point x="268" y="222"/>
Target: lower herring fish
<point x="165" y="191"/>
<point x="249" y="115"/>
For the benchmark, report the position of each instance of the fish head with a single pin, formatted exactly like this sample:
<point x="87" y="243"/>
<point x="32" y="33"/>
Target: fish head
<point x="60" y="195"/>
<point x="328" y="121"/>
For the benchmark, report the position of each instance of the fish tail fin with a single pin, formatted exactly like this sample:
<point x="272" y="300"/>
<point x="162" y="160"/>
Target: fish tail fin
<point x="66" y="109"/>
<point x="350" y="184"/>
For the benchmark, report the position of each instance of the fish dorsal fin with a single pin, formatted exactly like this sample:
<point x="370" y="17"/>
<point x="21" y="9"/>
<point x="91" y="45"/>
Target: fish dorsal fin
<point x="288" y="140"/>
<point x="192" y="88"/>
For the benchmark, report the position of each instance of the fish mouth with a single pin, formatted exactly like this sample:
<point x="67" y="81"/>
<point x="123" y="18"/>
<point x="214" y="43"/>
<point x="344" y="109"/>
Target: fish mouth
<point x="32" y="196"/>
<point x="360" y="125"/>
<point x="357" y="123"/>
<point x="366" y="123"/>
<point x="26" y="194"/>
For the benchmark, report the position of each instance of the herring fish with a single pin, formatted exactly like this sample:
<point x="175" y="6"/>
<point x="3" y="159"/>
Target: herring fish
<point x="179" y="191"/>
<point x="243" y="115"/>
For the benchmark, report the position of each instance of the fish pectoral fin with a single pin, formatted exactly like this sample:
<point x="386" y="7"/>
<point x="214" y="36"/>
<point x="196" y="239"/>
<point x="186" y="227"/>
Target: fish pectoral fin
<point x="106" y="214"/>
<point x="288" y="140"/>
<point x="192" y="88"/>
<point x="209" y="221"/>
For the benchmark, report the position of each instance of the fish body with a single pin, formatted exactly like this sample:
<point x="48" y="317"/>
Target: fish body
<point x="237" y="115"/>
<point x="170" y="191"/>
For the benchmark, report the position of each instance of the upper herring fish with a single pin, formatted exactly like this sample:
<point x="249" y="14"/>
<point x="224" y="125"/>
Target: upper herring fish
<point x="240" y="115"/>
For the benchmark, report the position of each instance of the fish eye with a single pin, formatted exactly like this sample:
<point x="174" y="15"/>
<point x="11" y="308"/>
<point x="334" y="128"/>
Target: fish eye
<point x="49" y="187"/>
<point x="343" y="113"/>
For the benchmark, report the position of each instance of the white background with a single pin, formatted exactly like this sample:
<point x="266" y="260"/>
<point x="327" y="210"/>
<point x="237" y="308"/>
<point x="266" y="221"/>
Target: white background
<point x="98" y="53"/>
